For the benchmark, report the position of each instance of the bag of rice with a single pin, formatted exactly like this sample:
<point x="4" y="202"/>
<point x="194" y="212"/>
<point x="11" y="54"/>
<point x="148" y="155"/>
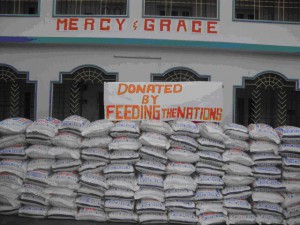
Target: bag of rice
<point x="91" y="214"/>
<point x="270" y="172"/>
<point x="39" y="177"/>
<point x="9" y="210"/>
<point x="180" y="168"/>
<point x="39" y="152"/>
<point x="208" y="181"/>
<point x="289" y="134"/>
<point x="286" y="149"/>
<point x="67" y="140"/>
<point x="60" y="191"/>
<point x="263" y="132"/>
<point x="14" y="126"/>
<point x="38" y="139"/>
<point x="209" y="169"/>
<point x="212" y="131"/>
<point x="263" y="147"/>
<point x="150" y="180"/>
<point x="113" y="170"/>
<point x="65" y="179"/>
<point x="83" y="190"/>
<point x="293" y="221"/>
<point x="74" y="124"/>
<point x="33" y="189"/>
<point x="292" y="186"/>
<point x="185" y="127"/>
<point x="119" y="205"/>
<point x="212" y="218"/>
<point x="266" y="159"/>
<point x="268" y="219"/>
<point x="183" y="142"/>
<point x="121" y="182"/>
<point x="237" y="206"/>
<point x="124" y="143"/>
<point x="272" y="197"/>
<point x="233" y="180"/>
<point x="292" y="211"/>
<point x="237" y="192"/>
<point x="241" y="219"/>
<point x="124" y="217"/>
<point x="124" y="156"/>
<point x="149" y="206"/>
<point x="181" y="205"/>
<point x="117" y="193"/>
<point x="150" y="193"/>
<point x="43" y="164"/>
<point x="181" y="155"/>
<point x="237" y="156"/>
<point x="34" y="200"/>
<point x="98" y="128"/>
<point x="208" y="195"/>
<point x="92" y="166"/>
<point x="205" y="144"/>
<point x="64" y="153"/>
<point x="290" y="199"/>
<point x="15" y="152"/>
<point x="267" y="207"/>
<point x="89" y="201"/>
<point x="153" y="218"/>
<point x="14" y="166"/>
<point x="153" y="154"/>
<point x="236" y="131"/>
<point x="61" y="213"/>
<point x="237" y="169"/>
<point x="156" y="126"/>
<point x="125" y="129"/>
<point x="33" y="211"/>
<point x="95" y="154"/>
<point x="10" y="180"/>
<point x="93" y="180"/>
<point x="236" y="144"/>
<point x="5" y="200"/>
<point x="154" y="140"/>
<point x="212" y="158"/>
<point x="182" y="217"/>
<point x="12" y="140"/>
<point x="96" y="142"/>
<point x="178" y="194"/>
<point x="261" y="184"/>
<point x="291" y="164"/>
<point x="147" y="166"/>
<point x="175" y="181"/>
<point x="47" y="127"/>
<point x="210" y="207"/>
<point x="68" y="165"/>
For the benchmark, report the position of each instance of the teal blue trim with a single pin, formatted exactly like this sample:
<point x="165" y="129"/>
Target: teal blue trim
<point x="151" y="43"/>
<point x="244" y="78"/>
<point x="181" y="17"/>
<point x="25" y="15"/>
<point x="60" y="81"/>
<point x="152" y="75"/>
<point x="54" y="15"/>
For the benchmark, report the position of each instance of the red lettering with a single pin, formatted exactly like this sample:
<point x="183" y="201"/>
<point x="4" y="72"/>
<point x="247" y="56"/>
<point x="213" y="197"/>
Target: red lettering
<point x="89" y="22"/>
<point x="73" y="24"/>
<point x="149" y="24"/>
<point x="61" y="21"/>
<point x="196" y="26"/>
<point x="165" y="23"/>
<point x="120" y="23"/>
<point x="181" y="23"/>
<point x="211" y="27"/>
<point x="104" y="24"/>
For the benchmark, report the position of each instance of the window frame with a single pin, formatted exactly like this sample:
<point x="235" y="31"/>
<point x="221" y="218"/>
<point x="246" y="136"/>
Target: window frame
<point x="234" y="19"/>
<point x="182" y="17"/>
<point x="89" y="16"/>
<point x="25" y="15"/>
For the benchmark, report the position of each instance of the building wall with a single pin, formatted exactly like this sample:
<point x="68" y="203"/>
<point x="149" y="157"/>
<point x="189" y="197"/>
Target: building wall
<point x="45" y="62"/>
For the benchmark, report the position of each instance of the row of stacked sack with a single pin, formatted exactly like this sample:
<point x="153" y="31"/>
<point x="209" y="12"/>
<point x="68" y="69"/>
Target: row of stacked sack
<point x="150" y="171"/>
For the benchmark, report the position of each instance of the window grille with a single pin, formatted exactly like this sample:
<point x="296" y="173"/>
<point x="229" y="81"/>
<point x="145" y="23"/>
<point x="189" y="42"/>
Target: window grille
<point x="92" y="7"/>
<point x="179" y="75"/>
<point x="268" y="10"/>
<point x="19" y="7"/>
<point x="182" y="8"/>
<point x="269" y="98"/>
<point x="81" y="93"/>
<point x="17" y="96"/>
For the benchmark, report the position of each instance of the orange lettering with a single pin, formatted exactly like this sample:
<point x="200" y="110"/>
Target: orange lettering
<point x="120" y="91"/>
<point x="149" y="24"/>
<point x="73" y="24"/>
<point x="109" y="111"/>
<point x="62" y="21"/>
<point x="89" y="22"/>
<point x="120" y="23"/>
<point x="103" y="22"/>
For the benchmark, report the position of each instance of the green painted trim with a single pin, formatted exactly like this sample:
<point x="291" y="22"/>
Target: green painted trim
<point x="25" y="15"/>
<point x="54" y="15"/>
<point x="181" y="17"/>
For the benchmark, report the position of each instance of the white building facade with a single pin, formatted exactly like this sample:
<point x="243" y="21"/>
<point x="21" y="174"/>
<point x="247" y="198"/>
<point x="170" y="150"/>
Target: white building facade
<point x="55" y="55"/>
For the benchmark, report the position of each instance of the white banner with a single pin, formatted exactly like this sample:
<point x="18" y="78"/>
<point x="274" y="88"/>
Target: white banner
<point x="196" y="101"/>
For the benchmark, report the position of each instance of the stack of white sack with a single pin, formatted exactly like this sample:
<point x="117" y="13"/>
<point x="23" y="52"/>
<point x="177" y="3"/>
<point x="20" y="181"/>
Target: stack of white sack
<point x="179" y="184"/>
<point x="120" y="173"/>
<point x="267" y="187"/>
<point x="290" y="152"/>
<point x="239" y="176"/>
<point x="208" y="197"/>
<point x="13" y="164"/>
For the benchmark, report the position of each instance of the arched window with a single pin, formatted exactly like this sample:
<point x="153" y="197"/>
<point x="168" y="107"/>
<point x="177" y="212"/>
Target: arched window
<point x="17" y="94"/>
<point x="179" y="75"/>
<point x="268" y="98"/>
<point x="80" y="92"/>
